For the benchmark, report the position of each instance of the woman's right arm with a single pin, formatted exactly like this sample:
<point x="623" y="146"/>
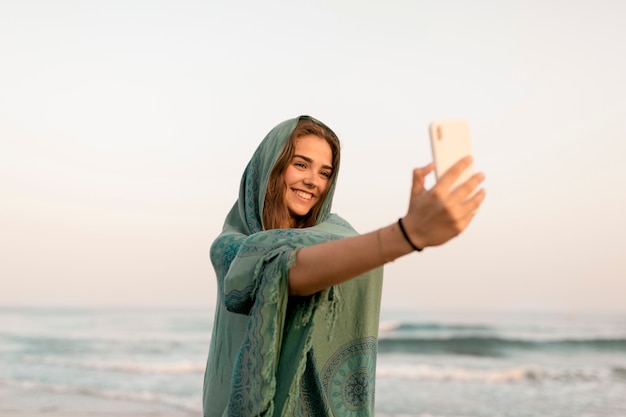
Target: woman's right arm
<point x="434" y="216"/>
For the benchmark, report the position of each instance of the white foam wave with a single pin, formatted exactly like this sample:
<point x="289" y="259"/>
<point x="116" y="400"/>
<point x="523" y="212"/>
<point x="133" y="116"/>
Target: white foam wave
<point x="512" y="374"/>
<point x="388" y="326"/>
<point x="426" y="372"/>
<point x="182" y="367"/>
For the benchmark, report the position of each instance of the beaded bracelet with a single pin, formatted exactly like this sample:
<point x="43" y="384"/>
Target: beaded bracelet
<point x="406" y="236"/>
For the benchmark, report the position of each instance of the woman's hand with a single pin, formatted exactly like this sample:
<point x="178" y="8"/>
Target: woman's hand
<point x="441" y="213"/>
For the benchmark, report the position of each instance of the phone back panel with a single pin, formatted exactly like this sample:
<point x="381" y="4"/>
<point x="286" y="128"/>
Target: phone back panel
<point x="450" y="141"/>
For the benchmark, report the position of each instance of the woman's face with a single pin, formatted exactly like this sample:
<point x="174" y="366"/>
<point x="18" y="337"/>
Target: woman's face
<point x="308" y="174"/>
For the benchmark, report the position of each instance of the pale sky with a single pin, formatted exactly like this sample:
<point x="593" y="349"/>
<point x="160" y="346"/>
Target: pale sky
<point x="125" y="127"/>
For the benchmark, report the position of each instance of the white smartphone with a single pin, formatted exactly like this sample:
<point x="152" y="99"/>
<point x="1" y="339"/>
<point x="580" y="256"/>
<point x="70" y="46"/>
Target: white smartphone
<point x="449" y="142"/>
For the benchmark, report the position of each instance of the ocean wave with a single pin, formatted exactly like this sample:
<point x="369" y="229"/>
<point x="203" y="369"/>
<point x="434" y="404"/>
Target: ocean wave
<point x="619" y="372"/>
<point x="35" y="336"/>
<point x="392" y="326"/>
<point x="510" y="375"/>
<point x="71" y="344"/>
<point x="494" y="346"/>
<point x="145" y="397"/>
<point x="182" y="367"/>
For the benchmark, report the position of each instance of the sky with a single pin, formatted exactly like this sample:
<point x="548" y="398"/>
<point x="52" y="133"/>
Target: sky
<point x="125" y="127"/>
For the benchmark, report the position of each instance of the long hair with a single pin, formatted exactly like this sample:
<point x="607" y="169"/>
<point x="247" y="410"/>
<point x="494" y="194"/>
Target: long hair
<point x="275" y="212"/>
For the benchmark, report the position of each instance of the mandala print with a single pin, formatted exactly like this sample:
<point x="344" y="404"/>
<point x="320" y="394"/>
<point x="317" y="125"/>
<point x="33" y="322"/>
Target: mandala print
<point x="348" y="378"/>
<point x="356" y="389"/>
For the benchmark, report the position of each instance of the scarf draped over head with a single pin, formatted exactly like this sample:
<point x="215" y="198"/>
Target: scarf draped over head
<point x="274" y="340"/>
<point x="246" y="215"/>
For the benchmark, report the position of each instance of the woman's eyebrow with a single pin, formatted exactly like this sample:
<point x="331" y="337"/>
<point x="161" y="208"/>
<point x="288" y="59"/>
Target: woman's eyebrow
<point x="310" y="161"/>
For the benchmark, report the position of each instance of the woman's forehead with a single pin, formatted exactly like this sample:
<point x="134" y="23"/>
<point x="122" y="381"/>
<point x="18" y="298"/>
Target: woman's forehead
<point x="314" y="147"/>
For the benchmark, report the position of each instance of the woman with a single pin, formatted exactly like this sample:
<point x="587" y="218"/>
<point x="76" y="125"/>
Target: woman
<point x="296" y="322"/>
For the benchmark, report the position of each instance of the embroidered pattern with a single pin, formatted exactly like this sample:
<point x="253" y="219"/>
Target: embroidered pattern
<point x="348" y="378"/>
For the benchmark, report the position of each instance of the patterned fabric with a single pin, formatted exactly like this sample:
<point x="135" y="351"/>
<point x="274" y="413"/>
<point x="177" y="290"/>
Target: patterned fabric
<point x="275" y="355"/>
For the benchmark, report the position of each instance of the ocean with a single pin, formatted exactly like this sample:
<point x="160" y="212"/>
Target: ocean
<point x="148" y="361"/>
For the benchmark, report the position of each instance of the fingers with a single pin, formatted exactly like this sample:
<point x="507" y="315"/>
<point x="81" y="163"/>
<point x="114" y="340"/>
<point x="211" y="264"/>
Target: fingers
<point x="472" y="204"/>
<point x="468" y="210"/>
<point x="419" y="175"/>
<point x="450" y="176"/>
<point x="423" y="171"/>
<point x="427" y="169"/>
<point x="463" y="202"/>
<point x="468" y="188"/>
<point x="441" y="213"/>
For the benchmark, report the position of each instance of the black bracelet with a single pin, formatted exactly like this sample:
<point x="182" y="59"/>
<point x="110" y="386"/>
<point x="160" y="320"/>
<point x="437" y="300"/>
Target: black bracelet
<point x="406" y="236"/>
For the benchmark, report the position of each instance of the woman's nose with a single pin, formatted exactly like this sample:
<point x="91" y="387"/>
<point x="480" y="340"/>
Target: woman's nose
<point x="310" y="180"/>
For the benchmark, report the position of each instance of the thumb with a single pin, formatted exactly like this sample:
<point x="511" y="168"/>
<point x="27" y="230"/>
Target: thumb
<point x="419" y="176"/>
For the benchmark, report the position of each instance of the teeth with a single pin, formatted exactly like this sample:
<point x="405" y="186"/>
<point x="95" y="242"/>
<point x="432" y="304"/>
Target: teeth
<point x="302" y="194"/>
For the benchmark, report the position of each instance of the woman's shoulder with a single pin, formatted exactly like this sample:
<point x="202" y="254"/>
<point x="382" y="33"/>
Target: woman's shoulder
<point x="336" y="224"/>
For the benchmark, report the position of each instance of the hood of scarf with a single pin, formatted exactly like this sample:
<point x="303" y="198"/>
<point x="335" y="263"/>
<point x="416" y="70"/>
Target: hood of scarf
<point x="247" y="213"/>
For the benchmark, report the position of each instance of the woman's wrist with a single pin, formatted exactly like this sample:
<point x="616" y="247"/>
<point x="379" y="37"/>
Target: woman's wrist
<point x="411" y="239"/>
<point x="392" y="244"/>
<point x="406" y="236"/>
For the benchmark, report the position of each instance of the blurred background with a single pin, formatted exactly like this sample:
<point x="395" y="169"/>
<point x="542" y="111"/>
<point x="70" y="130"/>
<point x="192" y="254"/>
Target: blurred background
<point x="125" y="128"/>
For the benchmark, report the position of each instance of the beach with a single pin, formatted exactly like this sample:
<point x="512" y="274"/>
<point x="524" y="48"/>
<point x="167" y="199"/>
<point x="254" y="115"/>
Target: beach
<point x="150" y="363"/>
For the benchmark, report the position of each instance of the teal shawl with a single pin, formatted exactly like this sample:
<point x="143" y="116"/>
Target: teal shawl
<point x="275" y="355"/>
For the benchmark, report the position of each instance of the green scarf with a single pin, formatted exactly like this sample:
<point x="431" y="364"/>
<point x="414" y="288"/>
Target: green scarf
<point x="275" y="355"/>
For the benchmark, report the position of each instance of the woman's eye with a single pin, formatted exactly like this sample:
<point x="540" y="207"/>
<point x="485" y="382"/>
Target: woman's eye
<point x="300" y="165"/>
<point x="326" y="174"/>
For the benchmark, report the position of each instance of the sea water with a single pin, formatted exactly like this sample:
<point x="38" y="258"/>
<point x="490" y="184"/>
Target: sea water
<point x="430" y="364"/>
<point x="495" y="364"/>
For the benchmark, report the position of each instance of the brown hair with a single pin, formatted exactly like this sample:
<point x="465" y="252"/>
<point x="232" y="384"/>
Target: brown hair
<point x="275" y="212"/>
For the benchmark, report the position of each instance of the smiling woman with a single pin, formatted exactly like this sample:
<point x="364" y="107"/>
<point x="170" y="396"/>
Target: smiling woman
<point x="296" y="322"/>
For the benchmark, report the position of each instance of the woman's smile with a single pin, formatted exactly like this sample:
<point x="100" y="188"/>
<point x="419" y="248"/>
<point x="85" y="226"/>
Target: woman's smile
<point x="303" y="195"/>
